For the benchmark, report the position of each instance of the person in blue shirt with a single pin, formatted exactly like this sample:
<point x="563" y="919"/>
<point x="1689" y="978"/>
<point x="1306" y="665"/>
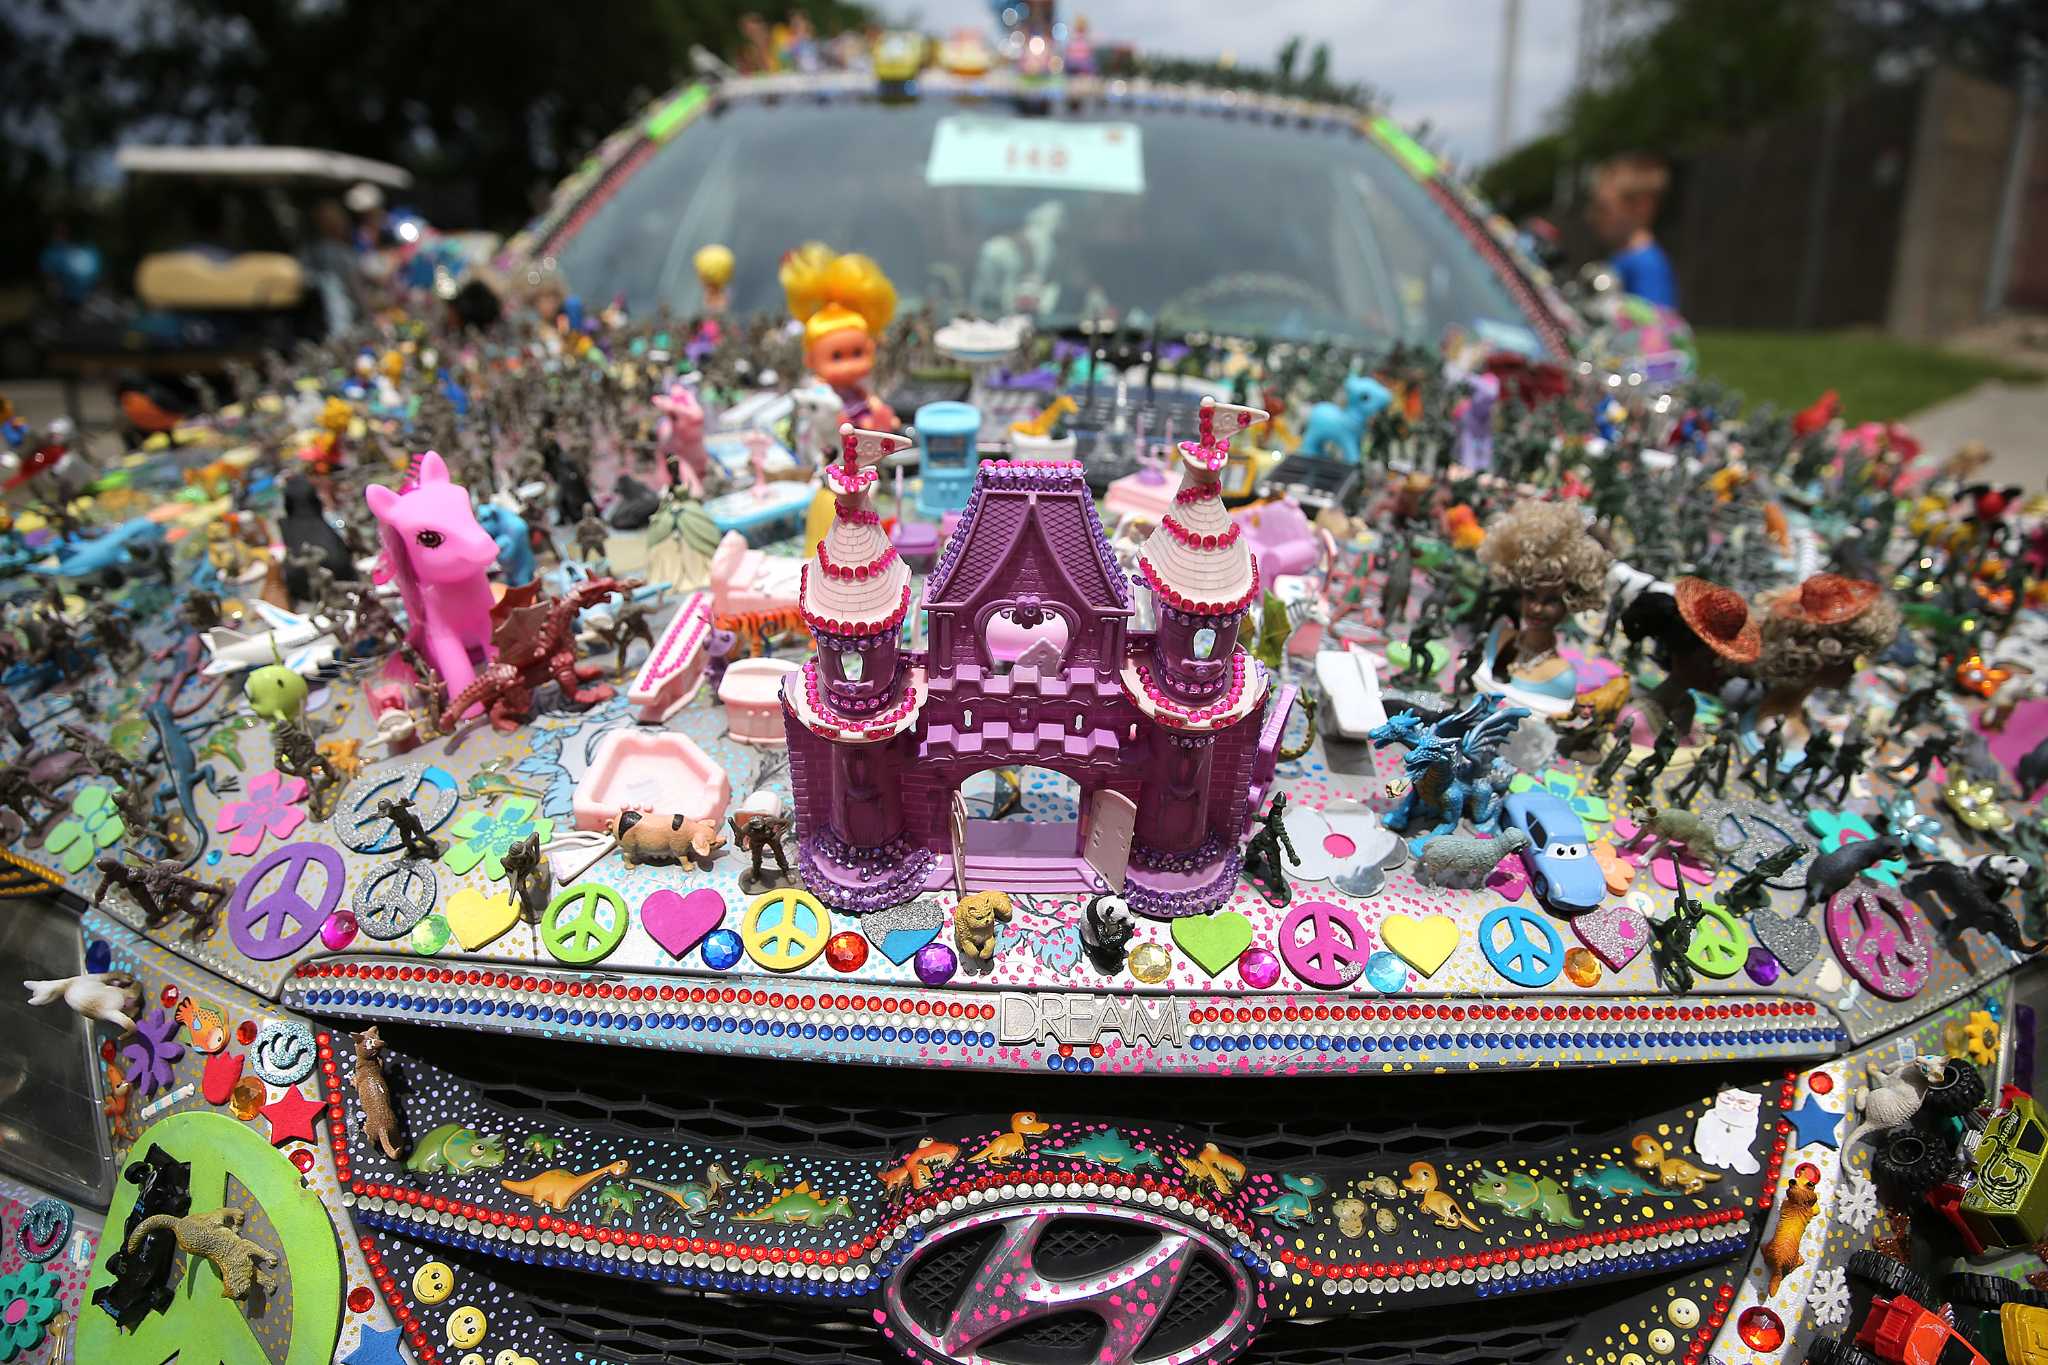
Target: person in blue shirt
<point x="1627" y="191"/>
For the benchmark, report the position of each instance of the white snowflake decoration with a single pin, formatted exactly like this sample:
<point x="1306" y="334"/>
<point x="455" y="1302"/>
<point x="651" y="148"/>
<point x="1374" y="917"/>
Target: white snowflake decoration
<point x="1828" y="1300"/>
<point x="1857" y="1203"/>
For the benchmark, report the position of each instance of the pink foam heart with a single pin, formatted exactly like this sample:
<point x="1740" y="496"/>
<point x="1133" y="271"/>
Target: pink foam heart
<point x="678" y="922"/>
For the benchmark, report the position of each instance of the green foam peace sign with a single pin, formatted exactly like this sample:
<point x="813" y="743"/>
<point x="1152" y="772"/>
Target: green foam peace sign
<point x="785" y="929"/>
<point x="1720" y="945"/>
<point x="583" y="924"/>
<point x="201" y="1327"/>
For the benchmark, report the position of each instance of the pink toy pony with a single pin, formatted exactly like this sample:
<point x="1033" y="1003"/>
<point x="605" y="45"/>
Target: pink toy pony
<point x="681" y="437"/>
<point x="441" y="559"/>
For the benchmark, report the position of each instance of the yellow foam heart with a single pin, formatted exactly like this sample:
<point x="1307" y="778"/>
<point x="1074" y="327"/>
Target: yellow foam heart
<point x="476" y="919"/>
<point x="1424" y="944"/>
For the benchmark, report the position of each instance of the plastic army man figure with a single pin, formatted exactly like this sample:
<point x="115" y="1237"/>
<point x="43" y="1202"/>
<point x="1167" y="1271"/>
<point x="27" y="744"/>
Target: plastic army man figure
<point x="1616" y="755"/>
<point x="1751" y="891"/>
<point x="531" y="876"/>
<point x="1643" y="781"/>
<point x="1847" y="765"/>
<point x="1759" y="772"/>
<point x="1939" y="746"/>
<point x="1709" y="768"/>
<point x="1262" y="854"/>
<point x="1921" y="704"/>
<point x="592" y="535"/>
<point x="412" y="835"/>
<point x="1812" y="765"/>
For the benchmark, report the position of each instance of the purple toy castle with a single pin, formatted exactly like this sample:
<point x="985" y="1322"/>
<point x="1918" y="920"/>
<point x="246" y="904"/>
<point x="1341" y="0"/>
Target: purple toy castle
<point x="1031" y="660"/>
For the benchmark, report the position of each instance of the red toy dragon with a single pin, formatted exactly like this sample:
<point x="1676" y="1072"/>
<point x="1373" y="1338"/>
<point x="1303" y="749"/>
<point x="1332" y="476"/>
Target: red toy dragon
<point x="533" y="644"/>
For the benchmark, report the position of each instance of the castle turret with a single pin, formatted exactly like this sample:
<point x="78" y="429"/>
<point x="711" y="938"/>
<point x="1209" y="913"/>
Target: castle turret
<point x="1201" y="573"/>
<point x="856" y="588"/>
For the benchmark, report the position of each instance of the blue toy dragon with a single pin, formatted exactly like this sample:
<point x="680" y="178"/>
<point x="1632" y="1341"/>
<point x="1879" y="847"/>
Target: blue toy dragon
<point x="1451" y="766"/>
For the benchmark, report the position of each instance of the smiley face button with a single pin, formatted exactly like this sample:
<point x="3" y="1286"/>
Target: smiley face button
<point x="1684" y="1314"/>
<point x="433" y="1282"/>
<point x="466" y="1326"/>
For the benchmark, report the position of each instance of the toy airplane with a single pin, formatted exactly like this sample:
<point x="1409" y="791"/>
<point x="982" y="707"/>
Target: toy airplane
<point x="305" y="644"/>
<point x="82" y="557"/>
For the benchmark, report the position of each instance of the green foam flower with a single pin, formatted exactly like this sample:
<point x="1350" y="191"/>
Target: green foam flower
<point x="93" y="824"/>
<point x="28" y="1300"/>
<point x="486" y="836"/>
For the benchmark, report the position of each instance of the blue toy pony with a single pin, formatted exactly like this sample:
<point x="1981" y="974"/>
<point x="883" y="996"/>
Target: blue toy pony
<point x="514" y="540"/>
<point x="1334" y="432"/>
<point x="1451" y="766"/>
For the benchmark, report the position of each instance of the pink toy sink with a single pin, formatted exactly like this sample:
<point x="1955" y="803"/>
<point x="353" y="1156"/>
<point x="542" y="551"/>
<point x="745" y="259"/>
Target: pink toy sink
<point x="1279" y="533"/>
<point x="752" y="693"/>
<point x="651" y="770"/>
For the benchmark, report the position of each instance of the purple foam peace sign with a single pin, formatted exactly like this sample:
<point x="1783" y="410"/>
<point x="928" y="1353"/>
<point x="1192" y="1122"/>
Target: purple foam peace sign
<point x="1878" y="936"/>
<point x="1336" y="948"/>
<point x="281" y="922"/>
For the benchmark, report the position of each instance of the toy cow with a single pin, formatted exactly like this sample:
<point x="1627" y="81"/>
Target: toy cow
<point x="648" y="838"/>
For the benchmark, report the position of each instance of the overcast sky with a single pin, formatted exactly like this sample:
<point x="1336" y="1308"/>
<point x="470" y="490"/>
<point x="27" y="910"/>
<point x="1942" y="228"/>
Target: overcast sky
<point x="1437" y="60"/>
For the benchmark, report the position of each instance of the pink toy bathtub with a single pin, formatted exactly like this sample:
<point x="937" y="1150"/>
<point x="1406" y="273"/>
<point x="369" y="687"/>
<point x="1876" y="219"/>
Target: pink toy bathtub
<point x="651" y="770"/>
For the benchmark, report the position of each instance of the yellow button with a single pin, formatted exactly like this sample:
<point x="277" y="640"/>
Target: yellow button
<point x="466" y="1326"/>
<point x="1684" y="1314"/>
<point x="433" y="1282"/>
<point x="1662" y="1342"/>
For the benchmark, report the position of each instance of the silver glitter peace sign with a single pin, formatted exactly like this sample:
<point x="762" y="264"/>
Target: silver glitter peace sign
<point x="395" y="896"/>
<point x="430" y="788"/>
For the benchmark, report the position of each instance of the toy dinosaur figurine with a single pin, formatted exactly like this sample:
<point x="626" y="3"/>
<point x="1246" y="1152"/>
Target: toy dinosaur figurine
<point x="1450" y="766"/>
<point x="695" y="1198"/>
<point x="1216" y="1167"/>
<point x="799" y="1204"/>
<point x="558" y="1188"/>
<point x="216" y="1238"/>
<point x="535" y="644"/>
<point x="1521" y="1195"/>
<point x="1438" y="1204"/>
<point x="1006" y="1147"/>
<point x="1293" y="1205"/>
<point x="916" y="1171"/>
<point x="1672" y="1172"/>
<point x="1108" y="1148"/>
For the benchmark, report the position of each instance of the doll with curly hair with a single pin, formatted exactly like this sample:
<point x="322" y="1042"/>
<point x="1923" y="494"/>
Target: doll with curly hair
<point x="844" y="302"/>
<point x="1812" y="637"/>
<point x="1541" y="552"/>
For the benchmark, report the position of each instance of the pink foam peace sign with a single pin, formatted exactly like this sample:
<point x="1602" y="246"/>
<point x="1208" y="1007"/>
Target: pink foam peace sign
<point x="1334" y="952"/>
<point x="280" y="922"/>
<point x="1878" y="936"/>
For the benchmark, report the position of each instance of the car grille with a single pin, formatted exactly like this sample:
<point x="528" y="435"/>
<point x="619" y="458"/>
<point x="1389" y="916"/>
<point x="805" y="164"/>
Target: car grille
<point x="635" y="1322"/>
<point x="876" y="1112"/>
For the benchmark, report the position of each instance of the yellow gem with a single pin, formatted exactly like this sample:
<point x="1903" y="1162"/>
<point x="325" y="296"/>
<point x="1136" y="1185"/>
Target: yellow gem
<point x="1150" y="962"/>
<point x="1582" y="967"/>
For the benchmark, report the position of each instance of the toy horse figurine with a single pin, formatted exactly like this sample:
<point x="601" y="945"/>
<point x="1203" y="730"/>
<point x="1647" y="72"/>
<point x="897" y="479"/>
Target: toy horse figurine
<point x="441" y="558"/>
<point x="680" y="436"/>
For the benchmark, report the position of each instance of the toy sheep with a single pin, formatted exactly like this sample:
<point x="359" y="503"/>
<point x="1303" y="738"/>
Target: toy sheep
<point x="1459" y="860"/>
<point x="646" y="838"/>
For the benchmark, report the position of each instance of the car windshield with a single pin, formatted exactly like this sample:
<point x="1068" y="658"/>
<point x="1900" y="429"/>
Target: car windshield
<point x="1187" y="219"/>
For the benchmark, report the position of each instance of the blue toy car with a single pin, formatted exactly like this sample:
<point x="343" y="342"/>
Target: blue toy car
<point x="1562" y="868"/>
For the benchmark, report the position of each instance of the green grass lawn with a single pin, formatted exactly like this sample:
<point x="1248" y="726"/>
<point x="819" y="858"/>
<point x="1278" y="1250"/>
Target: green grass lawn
<point x="1879" y="378"/>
